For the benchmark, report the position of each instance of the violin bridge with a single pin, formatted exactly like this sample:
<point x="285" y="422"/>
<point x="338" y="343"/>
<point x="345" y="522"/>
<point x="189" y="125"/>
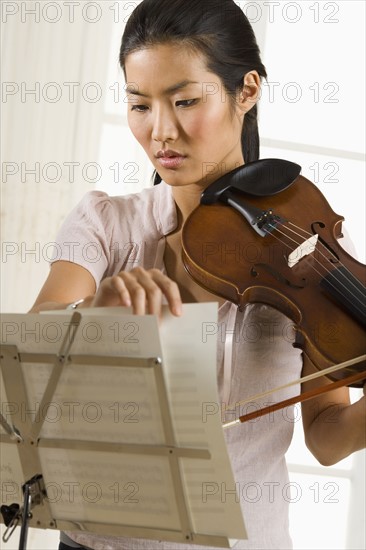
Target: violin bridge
<point x="306" y="248"/>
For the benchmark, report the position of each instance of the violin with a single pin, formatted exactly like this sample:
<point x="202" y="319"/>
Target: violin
<point x="265" y="234"/>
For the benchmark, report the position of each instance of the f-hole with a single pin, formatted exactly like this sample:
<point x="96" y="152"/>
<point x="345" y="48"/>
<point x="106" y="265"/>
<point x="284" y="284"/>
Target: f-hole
<point x="335" y="258"/>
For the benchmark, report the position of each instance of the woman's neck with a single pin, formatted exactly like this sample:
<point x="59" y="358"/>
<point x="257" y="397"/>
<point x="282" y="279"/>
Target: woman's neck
<point x="186" y="199"/>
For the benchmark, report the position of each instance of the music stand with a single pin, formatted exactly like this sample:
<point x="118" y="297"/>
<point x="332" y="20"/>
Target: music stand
<point x="117" y="483"/>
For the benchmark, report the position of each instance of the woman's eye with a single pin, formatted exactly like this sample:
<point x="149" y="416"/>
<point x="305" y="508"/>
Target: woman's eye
<point x="139" y="108"/>
<point x="181" y="103"/>
<point x="186" y="102"/>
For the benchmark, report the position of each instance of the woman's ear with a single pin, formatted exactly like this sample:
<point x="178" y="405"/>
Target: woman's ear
<point x="250" y="93"/>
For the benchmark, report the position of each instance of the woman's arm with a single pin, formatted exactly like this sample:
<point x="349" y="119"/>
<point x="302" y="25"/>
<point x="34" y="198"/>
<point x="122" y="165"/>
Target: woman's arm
<point x="333" y="427"/>
<point x="139" y="288"/>
<point x="66" y="283"/>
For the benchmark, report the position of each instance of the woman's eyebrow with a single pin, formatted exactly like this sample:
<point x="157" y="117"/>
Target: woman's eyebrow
<point x="175" y="88"/>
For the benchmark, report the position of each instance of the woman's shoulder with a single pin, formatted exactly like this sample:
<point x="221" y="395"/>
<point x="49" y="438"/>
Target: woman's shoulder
<point x="150" y="211"/>
<point x="102" y="203"/>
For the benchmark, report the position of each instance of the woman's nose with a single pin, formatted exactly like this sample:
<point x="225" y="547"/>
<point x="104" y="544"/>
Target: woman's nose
<point x="164" y="126"/>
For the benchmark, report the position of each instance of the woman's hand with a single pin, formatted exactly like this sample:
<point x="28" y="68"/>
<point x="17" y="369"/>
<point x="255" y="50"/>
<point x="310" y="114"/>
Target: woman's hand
<point x="141" y="289"/>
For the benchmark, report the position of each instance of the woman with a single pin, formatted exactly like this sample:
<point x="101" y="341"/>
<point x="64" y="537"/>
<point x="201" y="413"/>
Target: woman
<point x="194" y="72"/>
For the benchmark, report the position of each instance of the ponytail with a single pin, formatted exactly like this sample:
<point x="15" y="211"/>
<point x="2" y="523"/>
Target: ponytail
<point x="250" y="143"/>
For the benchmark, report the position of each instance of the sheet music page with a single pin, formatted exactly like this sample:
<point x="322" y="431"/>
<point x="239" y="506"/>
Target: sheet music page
<point x="90" y="400"/>
<point x="98" y="403"/>
<point x="190" y="361"/>
<point x="121" y="405"/>
<point x="11" y="474"/>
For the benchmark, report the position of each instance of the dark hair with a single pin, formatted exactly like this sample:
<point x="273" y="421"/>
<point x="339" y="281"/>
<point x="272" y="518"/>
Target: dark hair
<point x="216" y="28"/>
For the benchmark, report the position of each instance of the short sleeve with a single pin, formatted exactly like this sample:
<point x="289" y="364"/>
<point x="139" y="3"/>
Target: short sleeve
<point x="85" y="235"/>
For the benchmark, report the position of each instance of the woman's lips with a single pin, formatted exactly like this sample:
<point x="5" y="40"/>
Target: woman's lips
<point x="171" y="162"/>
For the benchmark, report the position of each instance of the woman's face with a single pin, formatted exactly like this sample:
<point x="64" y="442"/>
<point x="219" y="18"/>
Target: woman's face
<point x="179" y="108"/>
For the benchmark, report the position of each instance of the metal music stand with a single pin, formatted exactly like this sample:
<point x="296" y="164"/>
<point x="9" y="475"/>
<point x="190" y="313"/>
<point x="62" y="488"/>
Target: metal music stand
<point x="43" y="461"/>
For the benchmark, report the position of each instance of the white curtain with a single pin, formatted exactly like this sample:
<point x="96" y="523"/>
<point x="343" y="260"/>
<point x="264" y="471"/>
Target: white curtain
<point x="54" y="65"/>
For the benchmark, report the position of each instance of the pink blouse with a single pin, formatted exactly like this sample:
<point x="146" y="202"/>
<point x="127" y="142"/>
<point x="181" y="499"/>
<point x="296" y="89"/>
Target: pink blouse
<point x="108" y="234"/>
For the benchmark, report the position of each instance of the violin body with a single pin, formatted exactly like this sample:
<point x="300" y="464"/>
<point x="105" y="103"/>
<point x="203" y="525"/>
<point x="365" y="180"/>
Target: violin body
<point x="298" y="267"/>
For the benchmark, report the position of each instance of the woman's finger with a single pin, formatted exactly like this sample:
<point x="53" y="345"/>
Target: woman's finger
<point x="142" y="289"/>
<point x="112" y="292"/>
<point x="154" y="284"/>
<point x="171" y="291"/>
<point x="135" y="285"/>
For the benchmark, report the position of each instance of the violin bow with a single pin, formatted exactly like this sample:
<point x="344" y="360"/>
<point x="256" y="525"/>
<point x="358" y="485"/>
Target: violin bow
<point x="303" y="396"/>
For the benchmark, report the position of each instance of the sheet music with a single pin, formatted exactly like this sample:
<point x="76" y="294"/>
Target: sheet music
<point x="11" y="473"/>
<point x="107" y="487"/>
<point x="190" y="361"/>
<point x="91" y="401"/>
<point x="121" y="405"/>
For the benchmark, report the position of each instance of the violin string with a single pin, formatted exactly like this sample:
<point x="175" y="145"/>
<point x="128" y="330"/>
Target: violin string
<point x="323" y="246"/>
<point x="360" y="308"/>
<point x="348" y="281"/>
<point x="288" y="246"/>
<point x="358" y="299"/>
<point x="301" y="380"/>
<point x="316" y="271"/>
<point x="308" y="234"/>
<point x="325" y="257"/>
